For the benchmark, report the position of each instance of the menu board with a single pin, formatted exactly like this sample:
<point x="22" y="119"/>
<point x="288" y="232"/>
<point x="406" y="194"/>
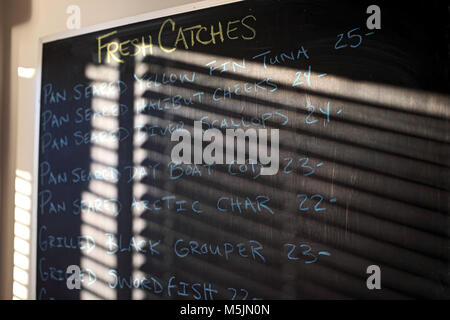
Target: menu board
<point x="254" y="150"/>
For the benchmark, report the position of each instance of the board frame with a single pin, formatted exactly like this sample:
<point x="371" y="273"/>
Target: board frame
<point x="32" y="287"/>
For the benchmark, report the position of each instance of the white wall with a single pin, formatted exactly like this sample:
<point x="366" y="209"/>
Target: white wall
<point x="29" y="20"/>
<point x="6" y="189"/>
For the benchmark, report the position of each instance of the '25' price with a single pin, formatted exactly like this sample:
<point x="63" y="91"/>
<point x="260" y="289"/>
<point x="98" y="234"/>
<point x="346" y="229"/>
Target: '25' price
<point x="355" y="39"/>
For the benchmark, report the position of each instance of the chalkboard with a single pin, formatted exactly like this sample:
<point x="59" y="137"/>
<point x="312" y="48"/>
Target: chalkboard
<point x="359" y="208"/>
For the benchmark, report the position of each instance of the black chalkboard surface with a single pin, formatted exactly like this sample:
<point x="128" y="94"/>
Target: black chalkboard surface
<point x="363" y="180"/>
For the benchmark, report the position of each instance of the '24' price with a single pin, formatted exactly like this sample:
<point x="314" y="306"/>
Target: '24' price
<point x="326" y="112"/>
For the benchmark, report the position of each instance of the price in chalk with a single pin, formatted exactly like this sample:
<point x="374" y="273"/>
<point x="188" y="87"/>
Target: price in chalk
<point x="304" y="78"/>
<point x="354" y="38"/>
<point x="307" y="166"/>
<point x="325" y="112"/>
<point x="304" y="252"/>
<point x="314" y="203"/>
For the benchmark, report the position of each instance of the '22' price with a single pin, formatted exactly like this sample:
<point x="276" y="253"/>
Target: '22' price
<point x="316" y="200"/>
<point x="241" y="294"/>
